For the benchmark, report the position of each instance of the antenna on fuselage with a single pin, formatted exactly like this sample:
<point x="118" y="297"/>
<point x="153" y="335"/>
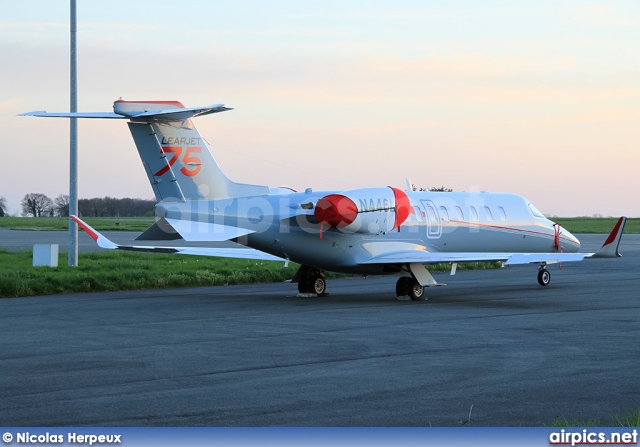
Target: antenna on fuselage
<point x="410" y="186"/>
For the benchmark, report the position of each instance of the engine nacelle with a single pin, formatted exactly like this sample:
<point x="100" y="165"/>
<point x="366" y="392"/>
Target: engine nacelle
<point x="365" y="210"/>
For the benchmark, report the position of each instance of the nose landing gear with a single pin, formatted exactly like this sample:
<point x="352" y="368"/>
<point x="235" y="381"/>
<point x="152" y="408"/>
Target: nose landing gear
<point x="544" y="277"/>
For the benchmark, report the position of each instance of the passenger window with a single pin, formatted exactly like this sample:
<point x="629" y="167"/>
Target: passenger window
<point x="474" y="213"/>
<point x="432" y="213"/>
<point x="503" y="215"/>
<point x="444" y="213"/>
<point x="487" y="211"/>
<point x="460" y="213"/>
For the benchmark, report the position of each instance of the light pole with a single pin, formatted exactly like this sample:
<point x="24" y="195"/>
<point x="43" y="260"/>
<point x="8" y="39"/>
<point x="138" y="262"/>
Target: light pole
<point x="73" y="146"/>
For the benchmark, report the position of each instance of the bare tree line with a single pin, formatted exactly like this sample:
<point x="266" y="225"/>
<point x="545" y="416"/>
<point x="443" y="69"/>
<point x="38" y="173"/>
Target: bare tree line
<point x="4" y="210"/>
<point x="39" y="205"/>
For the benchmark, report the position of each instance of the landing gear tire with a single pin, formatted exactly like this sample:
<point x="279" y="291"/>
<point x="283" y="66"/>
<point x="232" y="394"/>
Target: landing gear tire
<point x="544" y="277"/>
<point x="318" y="285"/>
<point x="416" y="291"/>
<point x="311" y="281"/>
<point x="403" y="285"/>
<point x="407" y="286"/>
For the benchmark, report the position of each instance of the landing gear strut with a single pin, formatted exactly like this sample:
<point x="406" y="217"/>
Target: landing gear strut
<point x="544" y="277"/>
<point x="408" y="286"/>
<point x="311" y="280"/>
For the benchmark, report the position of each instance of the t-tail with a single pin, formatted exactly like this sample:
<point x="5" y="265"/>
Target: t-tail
<point x="177" y="160"/>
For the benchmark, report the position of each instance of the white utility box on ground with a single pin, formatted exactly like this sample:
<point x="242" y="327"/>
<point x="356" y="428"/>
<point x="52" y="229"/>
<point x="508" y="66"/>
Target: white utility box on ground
<point x="45" y="255"/>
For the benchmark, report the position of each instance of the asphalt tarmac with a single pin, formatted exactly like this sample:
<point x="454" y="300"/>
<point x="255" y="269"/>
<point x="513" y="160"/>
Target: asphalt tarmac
<point x="493" y="348"/>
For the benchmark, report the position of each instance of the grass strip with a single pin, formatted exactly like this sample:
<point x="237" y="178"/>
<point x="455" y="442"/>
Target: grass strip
<point x="117" y="270"/>
<point x="62" y="223"/>
<point x="109" y="271"/>
<point x="596" y="225"/>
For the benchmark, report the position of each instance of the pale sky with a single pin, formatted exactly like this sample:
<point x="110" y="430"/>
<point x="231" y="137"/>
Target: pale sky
<point x="539" y="98"/>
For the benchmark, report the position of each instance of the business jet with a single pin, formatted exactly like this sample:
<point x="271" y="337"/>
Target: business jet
<point x="365" y="231"/>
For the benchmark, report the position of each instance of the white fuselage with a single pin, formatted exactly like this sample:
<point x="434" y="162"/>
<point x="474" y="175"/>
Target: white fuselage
<point x="439" y="222"/>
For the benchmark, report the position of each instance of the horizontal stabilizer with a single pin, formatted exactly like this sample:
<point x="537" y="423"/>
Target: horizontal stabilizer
<point x="43" y="113"/>
<point x="179" y="114"/>
<point x="173" y="114"/>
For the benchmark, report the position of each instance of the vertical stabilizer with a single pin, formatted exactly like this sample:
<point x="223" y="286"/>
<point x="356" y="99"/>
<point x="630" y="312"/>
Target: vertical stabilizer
<point x="165" y="187"/>
<point x="177" y="160"/>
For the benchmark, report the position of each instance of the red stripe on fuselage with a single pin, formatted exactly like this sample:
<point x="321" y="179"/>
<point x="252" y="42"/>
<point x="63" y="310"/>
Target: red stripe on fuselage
<point x="518" y="230"/>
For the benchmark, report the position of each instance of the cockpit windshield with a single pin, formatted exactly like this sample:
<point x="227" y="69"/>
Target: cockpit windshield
<point x="536" y="212"/>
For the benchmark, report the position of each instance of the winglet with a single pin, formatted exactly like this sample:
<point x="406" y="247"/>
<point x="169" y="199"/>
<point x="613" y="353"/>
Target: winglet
<point x="610" y="247"/>
<point x="102" y="241"/>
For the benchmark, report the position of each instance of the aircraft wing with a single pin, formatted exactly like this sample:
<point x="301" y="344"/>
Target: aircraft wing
<point x="419" y="254"/>
<point x="425" y="257"/>
<point x="241" y="253"/>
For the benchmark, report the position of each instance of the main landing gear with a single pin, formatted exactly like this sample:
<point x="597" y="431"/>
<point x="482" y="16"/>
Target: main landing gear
<point x="409" y="286"/>
<point x="311" y="281"/>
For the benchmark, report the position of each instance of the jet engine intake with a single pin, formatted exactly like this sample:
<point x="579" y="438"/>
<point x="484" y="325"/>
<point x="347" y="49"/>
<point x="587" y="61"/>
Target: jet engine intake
<point x="365" y="210"/>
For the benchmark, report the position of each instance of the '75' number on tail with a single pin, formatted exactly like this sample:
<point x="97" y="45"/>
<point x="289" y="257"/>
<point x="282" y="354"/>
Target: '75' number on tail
<point x="188" y="160"/>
